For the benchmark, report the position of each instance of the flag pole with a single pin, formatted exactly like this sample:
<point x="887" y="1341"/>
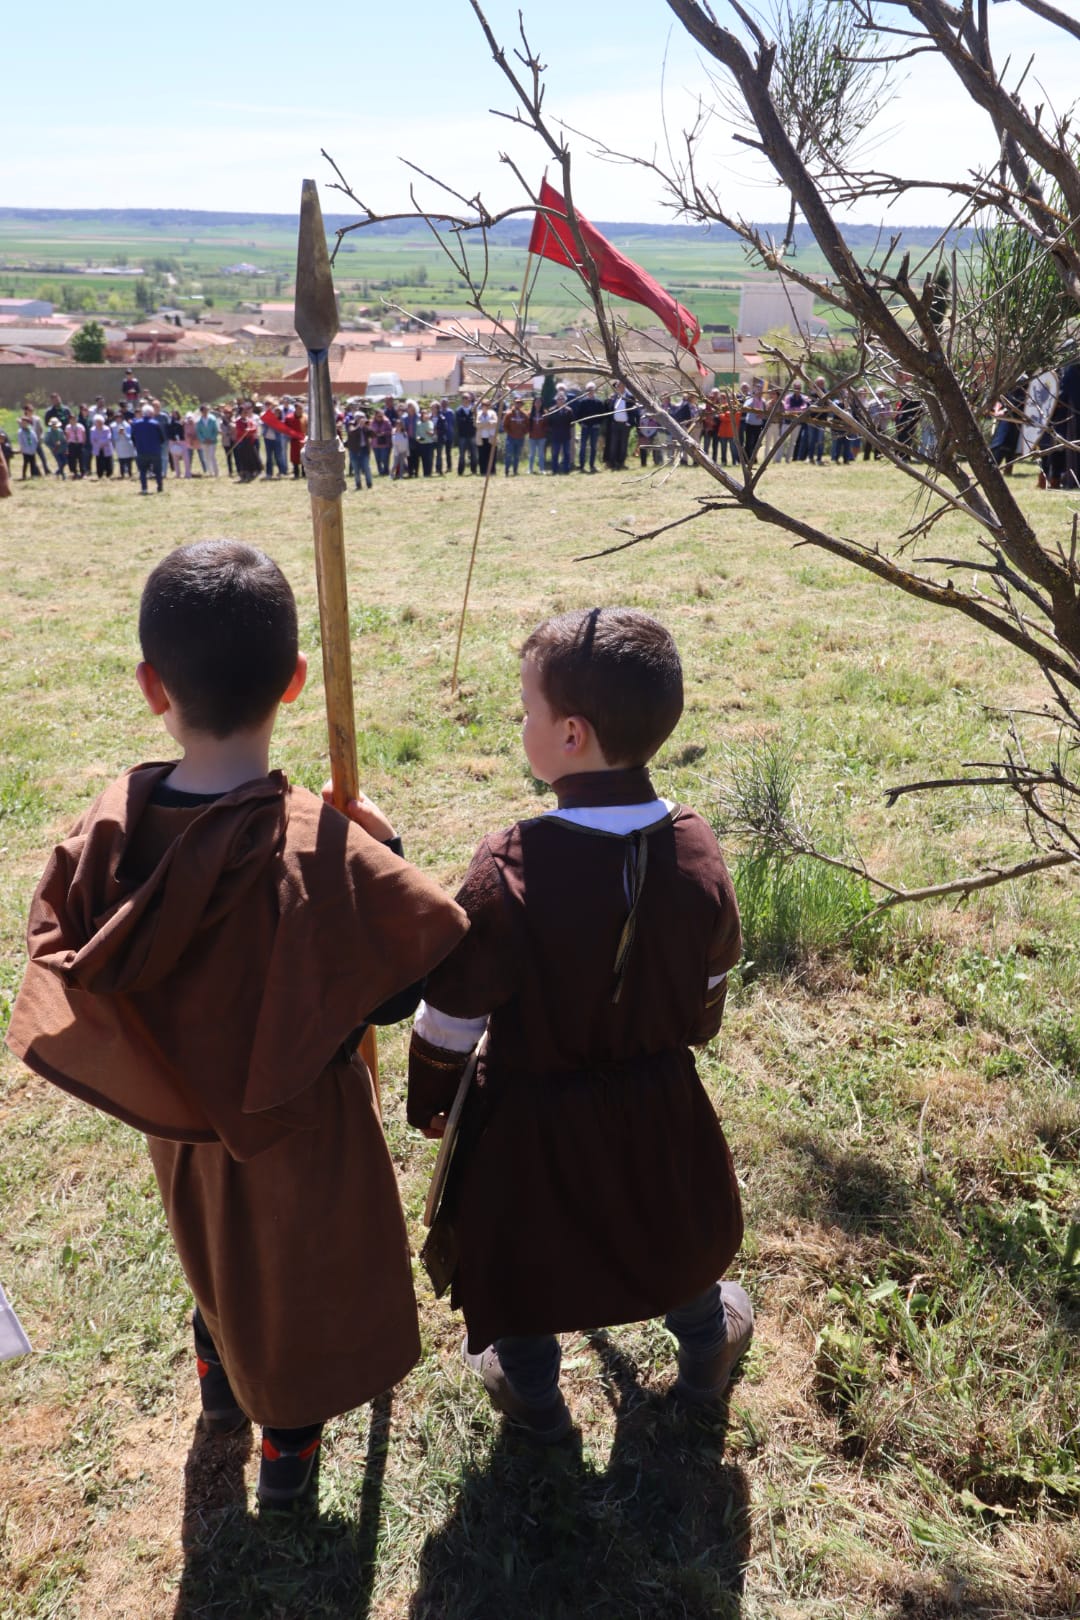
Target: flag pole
<point x="472" y="561"/>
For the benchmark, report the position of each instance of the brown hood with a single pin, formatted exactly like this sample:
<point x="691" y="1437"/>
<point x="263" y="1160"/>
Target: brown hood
<point x="194" y="972"/>
<point x="104" y="929"/>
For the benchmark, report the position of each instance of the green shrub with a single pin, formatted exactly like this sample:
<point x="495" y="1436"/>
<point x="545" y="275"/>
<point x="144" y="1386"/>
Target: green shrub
<point x="794" y="907"/>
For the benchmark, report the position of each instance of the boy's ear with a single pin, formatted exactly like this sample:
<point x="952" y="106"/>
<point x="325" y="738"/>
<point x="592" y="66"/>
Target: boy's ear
<point x="577" y="735"/>
<point x="299" y="677"/>
<point x="151" y="688"/>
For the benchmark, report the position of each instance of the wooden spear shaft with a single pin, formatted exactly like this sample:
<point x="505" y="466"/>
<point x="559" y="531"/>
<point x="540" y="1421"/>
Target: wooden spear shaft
<point x="317" y="325"/>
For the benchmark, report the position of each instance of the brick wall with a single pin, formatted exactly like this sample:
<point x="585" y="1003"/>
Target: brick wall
<point x="80" y="384"/>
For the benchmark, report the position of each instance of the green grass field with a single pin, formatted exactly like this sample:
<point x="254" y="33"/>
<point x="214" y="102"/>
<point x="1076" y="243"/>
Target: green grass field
<point x="902" y="1107"/>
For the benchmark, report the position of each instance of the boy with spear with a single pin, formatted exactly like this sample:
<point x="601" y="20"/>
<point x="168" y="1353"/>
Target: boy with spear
<point x="206" y="947"/>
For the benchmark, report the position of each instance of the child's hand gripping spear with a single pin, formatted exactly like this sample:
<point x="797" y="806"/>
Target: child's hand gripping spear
<point x="324" y="456"/>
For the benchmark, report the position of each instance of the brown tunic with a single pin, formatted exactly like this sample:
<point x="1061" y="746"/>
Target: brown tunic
<point x="592" y="1183"/>
<point x="194" y="972"/>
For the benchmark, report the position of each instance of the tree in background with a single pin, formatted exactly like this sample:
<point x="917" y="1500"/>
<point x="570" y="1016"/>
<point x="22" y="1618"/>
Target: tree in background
<point x="88" y="344"/>
<point x="827" y="89"/>
<point x="915" y="327"/>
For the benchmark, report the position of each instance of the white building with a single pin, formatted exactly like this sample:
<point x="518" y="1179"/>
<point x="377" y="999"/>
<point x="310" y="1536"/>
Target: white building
<point x="768" y="304"/>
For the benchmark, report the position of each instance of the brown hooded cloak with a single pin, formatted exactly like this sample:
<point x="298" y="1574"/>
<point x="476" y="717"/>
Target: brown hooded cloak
<point x="194" y="972"/>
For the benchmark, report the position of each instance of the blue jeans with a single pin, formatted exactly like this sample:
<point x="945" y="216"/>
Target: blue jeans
<point x="511" y="455"/>
<point x="360" y="466"/>
<point x="382" y="459"/>
<point x="560" y="455"/>
<point x="148" y="463"/>
<point x="532" y="1363"/>
<point x="588" y="434"/>
<point x="536" y="453"/>
<point x="812" y="443"/>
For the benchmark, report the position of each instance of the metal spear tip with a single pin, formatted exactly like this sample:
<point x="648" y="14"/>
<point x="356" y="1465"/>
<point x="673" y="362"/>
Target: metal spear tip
<point x="316" y="304"/>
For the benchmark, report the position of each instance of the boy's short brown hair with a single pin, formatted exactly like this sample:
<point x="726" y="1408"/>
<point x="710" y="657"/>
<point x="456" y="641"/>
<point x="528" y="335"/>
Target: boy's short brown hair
<point x="616" y="667"/>
<point x="217" y="621"/>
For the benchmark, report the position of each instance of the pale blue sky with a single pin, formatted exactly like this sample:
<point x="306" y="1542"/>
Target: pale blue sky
<point x="206" y="107"/>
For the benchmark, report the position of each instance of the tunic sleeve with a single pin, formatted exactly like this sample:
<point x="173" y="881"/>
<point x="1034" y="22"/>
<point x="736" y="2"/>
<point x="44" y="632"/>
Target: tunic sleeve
<point x="482" y="971"/>
<point x="480" y="974"/>
<point x="725" y="948"/>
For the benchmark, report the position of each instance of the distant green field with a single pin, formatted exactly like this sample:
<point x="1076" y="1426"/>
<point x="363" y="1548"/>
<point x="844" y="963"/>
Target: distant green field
<point x="61" y="260"/>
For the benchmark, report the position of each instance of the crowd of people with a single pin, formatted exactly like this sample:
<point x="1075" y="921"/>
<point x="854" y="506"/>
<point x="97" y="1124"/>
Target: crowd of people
<point x="140" y="436"/>
<point x="399" y="439"/>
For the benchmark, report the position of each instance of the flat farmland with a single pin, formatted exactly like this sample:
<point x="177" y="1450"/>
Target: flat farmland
<point x="61" y="258"/>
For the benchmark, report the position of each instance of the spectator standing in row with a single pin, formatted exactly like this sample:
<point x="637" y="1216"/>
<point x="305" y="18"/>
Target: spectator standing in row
<point x="270" y="444"/>
<point x="28" y="445"/>
<point x="174" y="432"/>
<point x="811" y="446"/>
<point x="753" y="421"/>
<point x="588" y="411"/>
<point x="729" y="421"/>
<point x="399" y="445"/>
<point x="228" y="439"/>
<point x="191" y="441"/>
<point x="123" y="448"/>
<point x="358" y="444"/>
<point x="57" y="444"/>
<point x="516" y="427"/>
<point x="710" y="424"/>
<point x="537" y="435"/>
<point x="424" y="441"/>
<point x="681" y="412"/>
<point x="560" y="429"/>
<point x="465" y="433"/>
<point x="57" y="411"/>
<point x="487" y="434"/>
<point x="149" y="439"/>
<point x="792" y="406"/>
<point x="621" y="419"/>
<point x="101" y="447"/>
<point x="39" y="433"/>
<point x="774" y="422"/>
<point x="246" y="447"/>
<point x="161" y="416"/>
<point x="84" y="442"/>
<point x="382" y="433"/>
<point x="443" y="419"/>
<point x="298" y="422"/>
<point x="75" y="434"/>
<point x="206" y="434"/>
<point x="650" y="438"/>
<point x="408" y="418"/>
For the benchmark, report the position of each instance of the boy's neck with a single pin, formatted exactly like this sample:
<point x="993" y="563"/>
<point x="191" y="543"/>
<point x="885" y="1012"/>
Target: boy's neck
<point x="219" y="764"/>
<point x="612" y="784"/>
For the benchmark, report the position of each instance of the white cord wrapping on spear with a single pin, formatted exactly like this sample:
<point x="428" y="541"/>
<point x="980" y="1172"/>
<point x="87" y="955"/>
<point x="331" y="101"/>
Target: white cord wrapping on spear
<point x="324" y="462"/>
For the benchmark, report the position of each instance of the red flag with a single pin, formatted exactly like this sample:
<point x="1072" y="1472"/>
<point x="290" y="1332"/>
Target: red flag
<point x="552" y="238"/>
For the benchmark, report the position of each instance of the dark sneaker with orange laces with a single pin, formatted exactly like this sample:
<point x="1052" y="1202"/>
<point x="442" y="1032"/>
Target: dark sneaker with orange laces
<point x="287" y="1473"/>
<point x="547" y="1423"/>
